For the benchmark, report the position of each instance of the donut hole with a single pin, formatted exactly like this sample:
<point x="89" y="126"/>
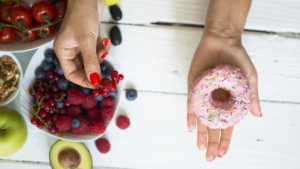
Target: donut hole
<point x="220" y="95"/>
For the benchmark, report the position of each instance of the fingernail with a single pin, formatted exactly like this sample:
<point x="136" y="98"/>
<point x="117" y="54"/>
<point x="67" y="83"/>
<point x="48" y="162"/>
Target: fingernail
<point x="106" y="42"/>
<point x="219" y="156"/>
<point x="94" y="78"/>
<point x="104" y="55"/>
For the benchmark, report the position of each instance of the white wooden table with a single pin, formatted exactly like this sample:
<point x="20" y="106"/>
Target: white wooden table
<point x="151" y="53"/>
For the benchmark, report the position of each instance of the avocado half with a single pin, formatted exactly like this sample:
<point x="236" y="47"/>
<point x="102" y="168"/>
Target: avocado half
<point x="61" y="146"/>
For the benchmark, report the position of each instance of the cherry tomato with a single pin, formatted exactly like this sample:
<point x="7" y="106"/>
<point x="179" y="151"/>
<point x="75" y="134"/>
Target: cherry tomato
<point x="50" y="30"/>
<point x="7" y="34"/>
<point x="41" y="9"/>
<point x="31" y="35"/>
<point x="20" y="13"/>
<point x="5" y="9"/>
<point x="60" y="8"/>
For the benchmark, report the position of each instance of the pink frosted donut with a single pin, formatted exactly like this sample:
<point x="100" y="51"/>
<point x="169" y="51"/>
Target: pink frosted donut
<point x="221" y="114"/>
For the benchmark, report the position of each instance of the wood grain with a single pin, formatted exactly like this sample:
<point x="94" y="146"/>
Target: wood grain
<point x="158" y="138"/>
<point x="264" y="15"/>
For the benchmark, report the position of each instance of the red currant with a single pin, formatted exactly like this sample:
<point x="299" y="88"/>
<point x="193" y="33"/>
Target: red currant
<point x="36" y="86"/>
<point x="48" y="95"/>
<point x="114" y="72"/>
<point x="45" y="83"/>
<point x="35" y="108"/>
<point x="106" y="87"/>
<point x="121" y="77"/>
<point x="54" y="70"/>
<point x="47" y="106"/>
<point x="51" y="111"/>
<point x="42" y="89"/>
<point x="56" y="95"/>
<point x="66" y="103"/>
<point x="104" y="80"/>
<point x="39" y="95"/>
<point x="114" y="77"/>
<point x="56" y="77"/>
<point x="43" y="113"/>
<point x="49" y="120"/>
<point x="50" y="74"/>
<point x="96" y="92"/>
<point x="40" y="124"/>
<point x="33" y="120"/>
<point x="105" y="94"/>
<point x="32" y="92"/>
<point x="53" y="129"/>
<point x="55" y="116"/>
<point x="115" y="82"/>
<point x="62" y="111"/>
<point x="113" y="88"/>
<point x="54" y="87"/>
<point x="52" y="102"/>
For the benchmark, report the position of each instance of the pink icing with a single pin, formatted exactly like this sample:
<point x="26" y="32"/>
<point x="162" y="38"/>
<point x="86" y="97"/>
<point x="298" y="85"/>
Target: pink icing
<point x="214" y="113"/>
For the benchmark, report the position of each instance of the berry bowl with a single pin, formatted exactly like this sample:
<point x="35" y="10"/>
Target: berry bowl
<point x="13" y="94"/>
<point x="63" y="109"/>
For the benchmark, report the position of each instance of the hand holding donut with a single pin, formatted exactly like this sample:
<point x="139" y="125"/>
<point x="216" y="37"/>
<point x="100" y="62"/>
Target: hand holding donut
<point x="78" y="44"/>
<point x="221" y="44"/>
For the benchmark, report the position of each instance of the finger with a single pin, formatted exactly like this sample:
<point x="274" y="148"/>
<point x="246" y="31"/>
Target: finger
<point x="106" y="43"/>
<point x="90" y="60"/>
<point x="255" y="107"/>
<point x="191" y="118"/>
<point x="102" y="48"/>
<point x="212" y="147"/>
<point x="201" y="136"/>
<point x="225" y="141"/>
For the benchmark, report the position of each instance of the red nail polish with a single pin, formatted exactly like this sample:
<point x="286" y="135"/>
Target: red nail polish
<point x="219" y="156"/>
<point x="104" y="55"/>
<point x="106" y="42"/>
<point x="94" y="77"/>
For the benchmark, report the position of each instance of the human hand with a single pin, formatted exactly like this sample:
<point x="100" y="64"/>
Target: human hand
<point x="216" y="49"/>
<point x="78" y="45"/>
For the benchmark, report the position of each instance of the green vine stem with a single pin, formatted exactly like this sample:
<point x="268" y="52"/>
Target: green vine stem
<point x="32" y="29"/>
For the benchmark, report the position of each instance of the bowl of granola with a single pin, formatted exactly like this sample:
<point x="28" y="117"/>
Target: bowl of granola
<point x="10" y="77"/>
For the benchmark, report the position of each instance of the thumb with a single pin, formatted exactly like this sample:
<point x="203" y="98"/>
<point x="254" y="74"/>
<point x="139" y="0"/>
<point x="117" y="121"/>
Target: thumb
<point x="90" y="60"/>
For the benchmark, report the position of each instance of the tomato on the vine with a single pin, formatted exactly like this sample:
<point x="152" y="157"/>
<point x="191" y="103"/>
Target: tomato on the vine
<point x="30" y="35"/>
<point x="20" y="15"/>
<point x="60" y="8"/>
<point x="5" y="10"/>
<point x="7" y="34"/>
<point x="50" y="30"/>
<point x="42" y="10"/>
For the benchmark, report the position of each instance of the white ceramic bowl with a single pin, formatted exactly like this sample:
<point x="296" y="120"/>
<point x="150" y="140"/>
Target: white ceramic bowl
<point x="15" y="93"/>
<point x="27" y="100"/>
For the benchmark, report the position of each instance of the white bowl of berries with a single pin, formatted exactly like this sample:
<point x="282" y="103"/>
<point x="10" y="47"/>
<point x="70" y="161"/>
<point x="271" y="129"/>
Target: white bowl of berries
<point x="30" y="23"/>
<point x="63" y="109"/>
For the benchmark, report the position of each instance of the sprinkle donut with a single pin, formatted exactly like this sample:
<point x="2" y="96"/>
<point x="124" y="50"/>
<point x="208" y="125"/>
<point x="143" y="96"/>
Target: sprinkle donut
<point x="221" y="114"/>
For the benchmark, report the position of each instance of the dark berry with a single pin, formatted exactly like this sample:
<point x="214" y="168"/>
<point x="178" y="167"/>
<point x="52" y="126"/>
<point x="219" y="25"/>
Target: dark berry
<point x="55" y="116"/>
<point x="84" y="90"/>
<point x="59" y="104"/>
<point x="59" y="70"/>
<point x="114" y="94"/>
<point x="103" y="66"/>
<point x="47" y="106"/>
<point x="63" y="84"/>
<point x="39" y="95"/>
<point x="55" y="61"/>
<point x="43" y="113"/>
<point x="54" y="87"/>
<point x="50" y="75"/>
<point x="46" y="66"/>
<point x="73" y="85"/>
<point x="56" y="77"/>
<point x="121" y="77"/>
<point x="49" y="120"/>
<point x="131" y="94"/>
<point x="53" y="129"/>
<point x="66" y="103"/>
<point x="50" y="55"/>
<point x="42" y="89"/>
<point x="75" y="123"/>
<point x="56" y="95"/>
<point x="99" y="98"/>
<point x="51" y="111"/>
<point x="40" y="73"/>
<point x="48" y="95"/>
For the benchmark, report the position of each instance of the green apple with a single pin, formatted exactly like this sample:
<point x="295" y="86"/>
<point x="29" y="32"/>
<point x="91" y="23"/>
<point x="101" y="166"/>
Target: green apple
<point x="13" y="131"/>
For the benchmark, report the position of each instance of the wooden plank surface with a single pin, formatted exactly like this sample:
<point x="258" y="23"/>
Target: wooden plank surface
<point x="158" y="138"/>
<point x="265" y="15"/>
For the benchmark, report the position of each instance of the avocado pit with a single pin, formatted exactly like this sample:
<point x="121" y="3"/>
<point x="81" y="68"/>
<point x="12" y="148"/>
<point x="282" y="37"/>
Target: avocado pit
<point x="69" y="159"/>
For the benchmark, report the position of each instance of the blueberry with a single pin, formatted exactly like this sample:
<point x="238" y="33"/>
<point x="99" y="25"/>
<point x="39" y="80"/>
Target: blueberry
<point x="55" y="61"/>
<point x="84" y="90"/>
<point x="106" y="73"/>
<point x="46" y="66"/>
<point x="40" y="73"/>
<point x="59" y="70"/>
<point x="114" y="94"/>
<point x="50" y="55"/>
<point x="103" y="66"/>
<point x="99" y="98"/>
<point x="73" y="85"/>
<point x="63" y="84"/>
<point x="60" y="104"/>
<point x="75" y="123"/>
<point x="131" y="94"/>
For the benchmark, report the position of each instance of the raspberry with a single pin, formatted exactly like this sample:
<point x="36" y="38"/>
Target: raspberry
<point x="107" y="112"/>
<point x="103" y="145"/>
<point x="63" y="123"/>
<point x="98" y="126"/>
<point x="73" y="110"/>
<point x="93" y="114"/>
<point x="89" y="101"/>
<point x="108" y="101"/>
<point x="83" y="128"/>
<point x="75" y="96"/>
<point x="123" y="122"/>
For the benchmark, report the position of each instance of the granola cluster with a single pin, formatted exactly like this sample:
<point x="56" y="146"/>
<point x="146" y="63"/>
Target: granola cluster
<point x="8" y="77"/>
